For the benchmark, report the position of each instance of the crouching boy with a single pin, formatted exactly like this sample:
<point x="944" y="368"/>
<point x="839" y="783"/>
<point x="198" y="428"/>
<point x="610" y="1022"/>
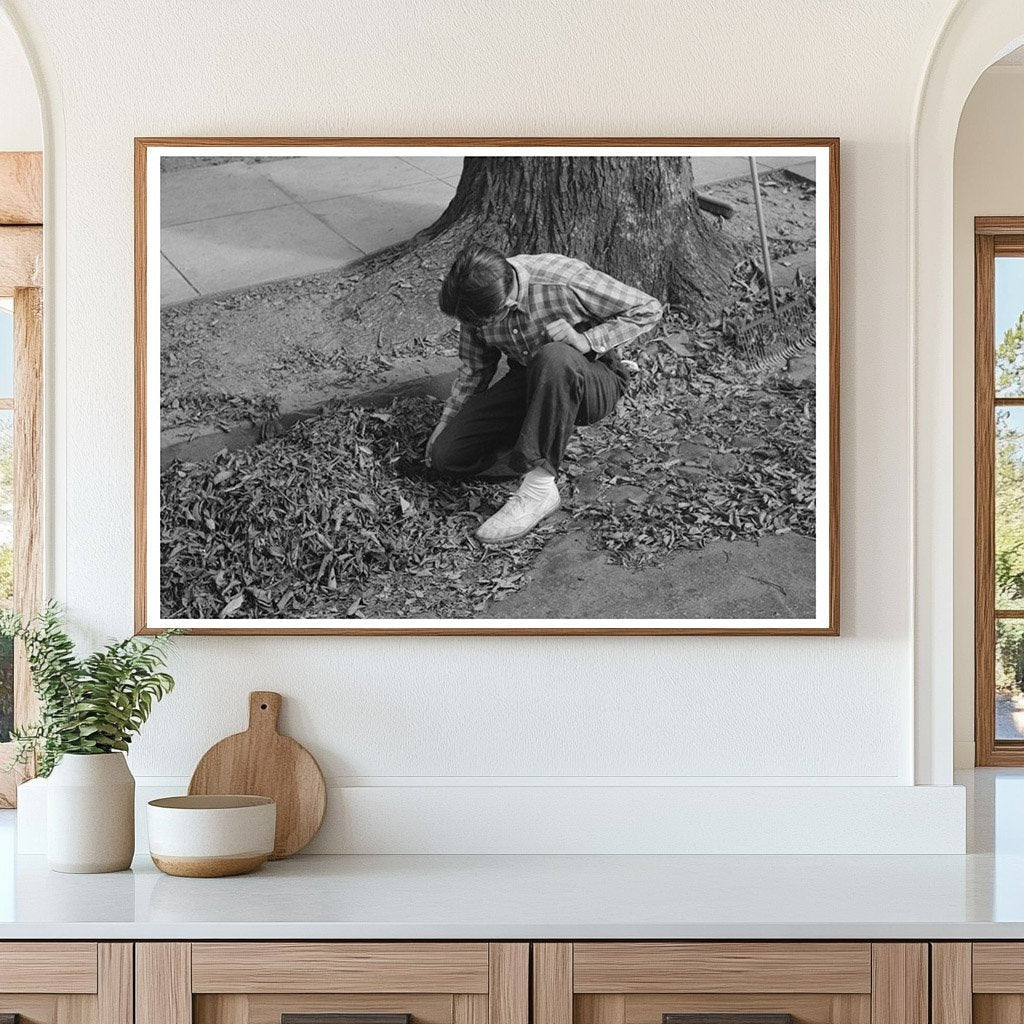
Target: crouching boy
<point x="558" y="323"/>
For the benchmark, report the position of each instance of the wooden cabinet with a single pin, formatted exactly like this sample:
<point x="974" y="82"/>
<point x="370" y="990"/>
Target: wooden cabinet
<point x="310" y="982"/>
<point x="978" y="983"/>
<point x="753" y="982"/>
<point x="512" y="983"/>
<point x="66" y="982"/>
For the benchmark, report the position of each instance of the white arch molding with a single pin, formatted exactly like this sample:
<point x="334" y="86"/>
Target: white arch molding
<point x="51" y="116"/>
<point x="24" y="127"/>
<point x="976" y="33"/>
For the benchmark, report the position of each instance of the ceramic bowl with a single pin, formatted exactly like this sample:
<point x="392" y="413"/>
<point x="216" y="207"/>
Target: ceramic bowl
<point x="211" y="836"/>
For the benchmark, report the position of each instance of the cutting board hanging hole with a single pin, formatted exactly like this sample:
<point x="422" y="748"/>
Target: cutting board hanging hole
<point x="264" y="710"/>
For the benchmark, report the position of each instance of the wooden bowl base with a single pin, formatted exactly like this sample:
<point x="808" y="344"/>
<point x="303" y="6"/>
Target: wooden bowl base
<point x="209" y="867"/>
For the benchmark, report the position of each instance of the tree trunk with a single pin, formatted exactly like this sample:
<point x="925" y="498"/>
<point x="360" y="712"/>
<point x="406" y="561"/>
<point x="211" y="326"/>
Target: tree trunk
<point x="635" y="218"/>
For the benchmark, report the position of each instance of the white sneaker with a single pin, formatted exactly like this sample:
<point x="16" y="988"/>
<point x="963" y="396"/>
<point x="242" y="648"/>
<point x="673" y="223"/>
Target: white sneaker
<point x="517" y="517"/>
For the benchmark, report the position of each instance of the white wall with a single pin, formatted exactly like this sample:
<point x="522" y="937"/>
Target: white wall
<point x="21" y="127"/>
<point x="988" y="180"/>
<point x="434" y="715"/>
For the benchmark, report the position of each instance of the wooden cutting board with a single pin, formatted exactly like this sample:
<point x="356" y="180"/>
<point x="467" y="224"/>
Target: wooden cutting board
<point x="262" y="762"/>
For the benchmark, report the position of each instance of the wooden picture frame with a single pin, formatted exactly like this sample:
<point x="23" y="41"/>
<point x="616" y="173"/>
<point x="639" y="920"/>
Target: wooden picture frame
<point x="825" y="154"/>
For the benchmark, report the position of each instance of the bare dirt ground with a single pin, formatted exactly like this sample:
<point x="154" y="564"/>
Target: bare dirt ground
<point x="724" y="580"/>
<point x="695" y="499"/>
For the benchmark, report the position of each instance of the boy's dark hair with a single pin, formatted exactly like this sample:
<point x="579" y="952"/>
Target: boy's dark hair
<point x="477" y="285"/>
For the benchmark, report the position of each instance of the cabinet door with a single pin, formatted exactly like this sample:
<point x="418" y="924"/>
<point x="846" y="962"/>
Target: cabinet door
<point x="730" y="983"/>
<point x="65" y="983"/>
<point x="980" y="982"/>
<point x="332" y="983"/>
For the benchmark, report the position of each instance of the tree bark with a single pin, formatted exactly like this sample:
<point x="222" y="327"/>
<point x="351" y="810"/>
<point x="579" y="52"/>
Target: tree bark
<point x="635" y="218"/>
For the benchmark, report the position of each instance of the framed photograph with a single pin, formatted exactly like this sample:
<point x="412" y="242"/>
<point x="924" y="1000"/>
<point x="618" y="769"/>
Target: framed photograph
<point x="487" y="386"/>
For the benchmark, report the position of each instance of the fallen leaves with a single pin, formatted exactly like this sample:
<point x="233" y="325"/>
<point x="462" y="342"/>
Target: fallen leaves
<point x="339" y="518"/>
<point x="336" y="519"/>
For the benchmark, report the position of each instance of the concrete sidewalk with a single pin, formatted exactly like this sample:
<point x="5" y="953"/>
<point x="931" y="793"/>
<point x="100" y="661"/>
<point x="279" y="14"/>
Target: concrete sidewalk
<point x="239" y="224"/>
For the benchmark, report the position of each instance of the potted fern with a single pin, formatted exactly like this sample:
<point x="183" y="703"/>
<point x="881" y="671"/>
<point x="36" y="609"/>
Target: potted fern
<point x="90" y="708"/>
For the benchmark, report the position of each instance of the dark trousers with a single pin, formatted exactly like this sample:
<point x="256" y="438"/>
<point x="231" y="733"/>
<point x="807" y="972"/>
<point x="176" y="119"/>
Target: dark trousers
<point x="532" y="410"/>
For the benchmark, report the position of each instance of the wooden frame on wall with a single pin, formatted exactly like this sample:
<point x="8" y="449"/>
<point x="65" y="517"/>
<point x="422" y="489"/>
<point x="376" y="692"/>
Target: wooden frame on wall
<point x="149" y="615"/>
<point x="21" y="278"/>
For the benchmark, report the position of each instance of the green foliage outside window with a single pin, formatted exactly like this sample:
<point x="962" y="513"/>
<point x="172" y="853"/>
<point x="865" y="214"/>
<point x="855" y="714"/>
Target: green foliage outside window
<point x="1009" y="510"/>
<point x="1010" y="361"/>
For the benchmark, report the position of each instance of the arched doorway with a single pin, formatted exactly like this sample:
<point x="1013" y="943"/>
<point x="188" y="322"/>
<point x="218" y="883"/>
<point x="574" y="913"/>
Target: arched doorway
<point x="977" y="33"/>
<point x="21" y="251"/>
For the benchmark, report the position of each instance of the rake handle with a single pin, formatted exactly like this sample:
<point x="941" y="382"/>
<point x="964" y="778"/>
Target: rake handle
<point x="764" y="235"/>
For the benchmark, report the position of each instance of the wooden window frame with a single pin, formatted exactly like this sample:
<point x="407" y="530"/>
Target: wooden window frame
<point x="993" y="237"/>
<point x="21" y="278"/>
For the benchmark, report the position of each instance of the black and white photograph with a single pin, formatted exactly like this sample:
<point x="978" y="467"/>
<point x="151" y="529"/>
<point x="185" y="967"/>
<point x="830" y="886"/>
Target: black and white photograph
<point x="451" y="386"/>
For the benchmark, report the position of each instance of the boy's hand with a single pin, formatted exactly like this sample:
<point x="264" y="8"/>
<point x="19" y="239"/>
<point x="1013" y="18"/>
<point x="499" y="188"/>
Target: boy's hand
<point x="562" y="330"/>
<point x="427" y="456"/>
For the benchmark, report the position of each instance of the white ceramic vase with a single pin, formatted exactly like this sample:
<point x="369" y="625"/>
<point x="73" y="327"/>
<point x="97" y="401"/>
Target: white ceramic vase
<point x="90" y="814"/>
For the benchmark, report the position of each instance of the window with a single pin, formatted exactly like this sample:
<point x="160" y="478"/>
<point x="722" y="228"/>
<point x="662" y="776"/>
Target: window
<point x="999" y="490"/>
<point x="6" y="510"/>
<point x="20" y="502"/>
<point x="21" y="365"/>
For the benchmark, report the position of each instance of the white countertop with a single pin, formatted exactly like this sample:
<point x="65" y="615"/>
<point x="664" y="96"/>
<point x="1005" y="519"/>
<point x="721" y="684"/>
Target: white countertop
<point x="517" y="897"/>
<point x="977" y="896"/>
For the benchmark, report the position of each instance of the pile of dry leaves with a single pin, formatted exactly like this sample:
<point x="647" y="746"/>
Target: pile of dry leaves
<point x="339" y="518"/>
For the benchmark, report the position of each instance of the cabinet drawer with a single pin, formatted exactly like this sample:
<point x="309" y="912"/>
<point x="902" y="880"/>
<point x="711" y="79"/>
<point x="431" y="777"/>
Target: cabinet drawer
<point x="998" y="967"/>
<point x="730" y="983"/>
<point x="765" y="982"/>
<point x="340" y="967"/>
<point x="332" y="983"/>
<point x="66" y="982"/>
<point x="634" y="967"/>
<point x="65" y="967"/>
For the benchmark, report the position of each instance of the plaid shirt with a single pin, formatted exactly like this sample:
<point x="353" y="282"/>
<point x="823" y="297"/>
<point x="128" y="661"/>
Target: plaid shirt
<point x="549" y="287"/>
